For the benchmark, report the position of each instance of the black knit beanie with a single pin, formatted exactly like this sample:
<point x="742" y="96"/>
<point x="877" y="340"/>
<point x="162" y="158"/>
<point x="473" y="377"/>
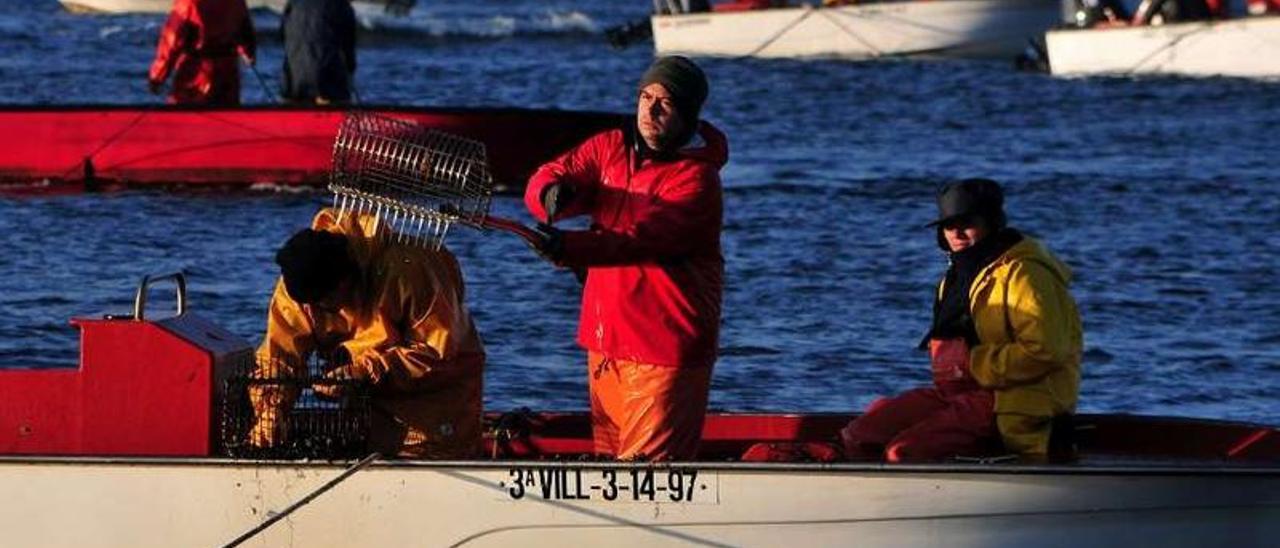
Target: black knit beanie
<point x="313" y="263"/>
<point x="684" y="81"/>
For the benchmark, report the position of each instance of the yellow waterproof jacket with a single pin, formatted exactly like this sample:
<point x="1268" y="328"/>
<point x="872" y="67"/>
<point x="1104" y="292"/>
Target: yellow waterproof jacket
<point x="408" y="330"/>
<point x="1031" y="343"/>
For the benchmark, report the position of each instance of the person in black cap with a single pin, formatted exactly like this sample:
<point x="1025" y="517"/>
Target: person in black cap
<point x="386" y="312"/>
<point x="650" y="314"/>
<point x="1004" y="345"/>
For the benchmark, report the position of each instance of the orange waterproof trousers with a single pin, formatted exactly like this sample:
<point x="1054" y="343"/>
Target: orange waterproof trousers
<point x="645" y="411"/>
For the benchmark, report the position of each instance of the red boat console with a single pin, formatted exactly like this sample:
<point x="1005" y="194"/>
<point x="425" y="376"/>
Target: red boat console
<point x="143" y="388"/>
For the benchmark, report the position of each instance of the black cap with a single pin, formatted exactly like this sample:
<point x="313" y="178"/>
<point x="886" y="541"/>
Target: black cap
<point x="971" y="198"/>
<point x="313" y="263"/>
<point x="683" y="80"/>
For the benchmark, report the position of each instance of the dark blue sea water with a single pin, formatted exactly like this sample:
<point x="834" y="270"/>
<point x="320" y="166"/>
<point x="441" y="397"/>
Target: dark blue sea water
<point x="1161" y="193"/>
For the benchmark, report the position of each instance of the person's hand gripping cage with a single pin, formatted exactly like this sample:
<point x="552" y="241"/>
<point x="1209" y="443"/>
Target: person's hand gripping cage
<point x="556" y="198"/>
<point x="339" y="371"/>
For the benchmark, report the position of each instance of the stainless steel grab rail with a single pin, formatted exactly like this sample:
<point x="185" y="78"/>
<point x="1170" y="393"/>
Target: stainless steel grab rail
<point x="140" y="300"/>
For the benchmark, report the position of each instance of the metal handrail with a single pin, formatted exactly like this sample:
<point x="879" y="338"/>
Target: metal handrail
<point x="140" y="300"/>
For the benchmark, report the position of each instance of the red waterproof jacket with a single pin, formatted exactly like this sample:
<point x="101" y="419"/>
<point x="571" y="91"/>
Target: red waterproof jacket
<point x="655" y="272"/>
<point x="199" y="46"/>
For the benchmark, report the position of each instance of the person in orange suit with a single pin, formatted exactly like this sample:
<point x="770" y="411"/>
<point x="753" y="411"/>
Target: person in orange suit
<point x="199" y="46"/>
<point x="386" y="312"/>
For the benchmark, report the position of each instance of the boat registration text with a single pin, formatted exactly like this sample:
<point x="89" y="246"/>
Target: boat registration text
<point x="661" y="485"/>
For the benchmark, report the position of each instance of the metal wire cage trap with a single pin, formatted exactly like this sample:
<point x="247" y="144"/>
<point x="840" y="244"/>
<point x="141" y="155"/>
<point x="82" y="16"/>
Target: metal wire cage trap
<point x="416" y="181"/>
<point x="290" y="404"/>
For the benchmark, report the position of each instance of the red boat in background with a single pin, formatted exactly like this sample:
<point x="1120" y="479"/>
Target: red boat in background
<point x="71" y="148"/>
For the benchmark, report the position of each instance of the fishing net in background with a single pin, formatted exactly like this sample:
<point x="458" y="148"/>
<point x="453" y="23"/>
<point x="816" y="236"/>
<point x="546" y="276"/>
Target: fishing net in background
<point x="274" y="411"/>
<point x="416" y="181"/>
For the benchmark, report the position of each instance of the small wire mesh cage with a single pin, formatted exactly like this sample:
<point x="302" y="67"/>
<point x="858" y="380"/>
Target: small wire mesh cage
<point x="272" y="410"/>
<point x="416" y="181"/>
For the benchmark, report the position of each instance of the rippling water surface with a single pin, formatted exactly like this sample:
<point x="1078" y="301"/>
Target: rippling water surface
<point x="1161" y="193"/>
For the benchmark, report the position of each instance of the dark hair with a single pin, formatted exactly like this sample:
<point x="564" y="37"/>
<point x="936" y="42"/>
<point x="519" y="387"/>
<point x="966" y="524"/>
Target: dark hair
<point x="313" y="263"/>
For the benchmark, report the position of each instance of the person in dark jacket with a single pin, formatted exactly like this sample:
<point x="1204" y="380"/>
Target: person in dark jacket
<point x="650" y="313"/>
<point x="320" y="51"/>
<point x="198" y="46"/>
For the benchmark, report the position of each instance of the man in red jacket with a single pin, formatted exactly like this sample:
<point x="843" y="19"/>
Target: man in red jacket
<point x="199" y="45"/>
<point x="650" y="316"/>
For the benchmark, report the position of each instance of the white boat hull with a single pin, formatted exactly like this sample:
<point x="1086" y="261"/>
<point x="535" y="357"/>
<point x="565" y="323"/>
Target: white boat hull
<point x="362" y="8"/>
<point x="139" y="502"/>
<point x="117" y="6"/>
<point x="966" y="28"/>
<point x="1248" y="47"/>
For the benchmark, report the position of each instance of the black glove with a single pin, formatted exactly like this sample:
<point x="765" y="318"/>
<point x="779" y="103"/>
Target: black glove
<point x="556" y="198"/>
<point x="336" y="358"/>
<point x="155" y="87"/>
<point x="551" y="246"/>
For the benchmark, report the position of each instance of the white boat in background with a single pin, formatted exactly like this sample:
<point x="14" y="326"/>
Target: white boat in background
<point x="116" y="6"/>
<point x="1245" y="47"/>
<point x="961" y="28"/>
<point x="363" y="8"/>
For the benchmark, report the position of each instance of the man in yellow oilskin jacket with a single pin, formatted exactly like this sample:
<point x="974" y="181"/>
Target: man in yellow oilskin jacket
<point x="396" y="312"/>
<point x="1004" y="347"/>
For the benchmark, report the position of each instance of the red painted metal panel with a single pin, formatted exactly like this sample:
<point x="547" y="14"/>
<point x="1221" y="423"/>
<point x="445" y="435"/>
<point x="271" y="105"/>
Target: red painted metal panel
<point x="153" y="146"/>
<point x="146" y="391"/>
<point x="39" y="411"/>
<point x="1159" y="437"/>
<point x="140" y="390"/>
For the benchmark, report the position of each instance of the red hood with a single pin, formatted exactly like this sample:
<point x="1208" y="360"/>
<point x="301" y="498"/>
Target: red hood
<point x="709" y="145"/>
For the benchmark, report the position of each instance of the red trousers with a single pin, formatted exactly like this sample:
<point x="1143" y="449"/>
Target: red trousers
<point x="925" y="424"/>
<point x="206" y="81"/>
<point x="647" y="411"/>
